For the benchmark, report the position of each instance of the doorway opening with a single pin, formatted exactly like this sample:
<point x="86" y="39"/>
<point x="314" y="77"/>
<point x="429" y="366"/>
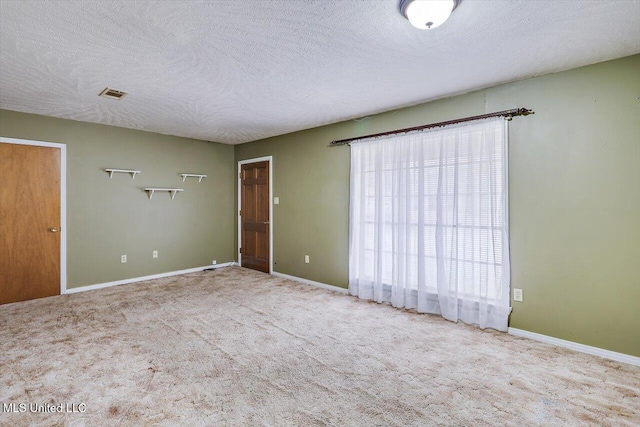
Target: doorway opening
<point x="255" y="214"/>
<point x="33" y="204"/>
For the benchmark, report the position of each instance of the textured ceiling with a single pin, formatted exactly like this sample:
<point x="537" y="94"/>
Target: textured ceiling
<point x="237" y="71"/>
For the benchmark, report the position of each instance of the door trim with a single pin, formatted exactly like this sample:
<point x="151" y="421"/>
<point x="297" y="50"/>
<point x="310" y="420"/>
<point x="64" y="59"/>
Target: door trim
<point x="244" y="162"/>
<point x="63" y="200"/>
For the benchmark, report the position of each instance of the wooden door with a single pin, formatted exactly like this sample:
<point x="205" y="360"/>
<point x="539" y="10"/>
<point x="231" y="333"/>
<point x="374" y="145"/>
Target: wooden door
<point x="29" y="222"/>
<point x="254" y="216"/>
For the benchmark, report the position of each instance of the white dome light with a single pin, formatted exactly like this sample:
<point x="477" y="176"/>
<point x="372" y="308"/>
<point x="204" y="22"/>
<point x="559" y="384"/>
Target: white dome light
<point x="427" y="14"/>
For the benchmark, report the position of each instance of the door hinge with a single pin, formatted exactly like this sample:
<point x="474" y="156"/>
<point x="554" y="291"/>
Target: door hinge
<point x="240" y="250"/>
<point x="240" y="212"/>
<point x="240" y="175"/>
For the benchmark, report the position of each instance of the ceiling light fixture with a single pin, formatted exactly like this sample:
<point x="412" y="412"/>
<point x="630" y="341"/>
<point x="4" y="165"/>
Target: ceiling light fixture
<point x="427" y="14"/>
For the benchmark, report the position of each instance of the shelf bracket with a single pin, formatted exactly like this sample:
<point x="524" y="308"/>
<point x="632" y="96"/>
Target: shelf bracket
<point x="171" y="191"/>
<point x="195" y="175"/>
<point x="111" y="171"/>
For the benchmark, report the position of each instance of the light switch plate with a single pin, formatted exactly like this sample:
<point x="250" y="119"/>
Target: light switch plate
<point x="517" y="295"/>
<point x="276" y="200"/>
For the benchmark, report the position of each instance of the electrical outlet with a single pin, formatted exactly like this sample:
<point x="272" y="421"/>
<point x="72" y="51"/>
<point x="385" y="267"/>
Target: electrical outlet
<point x="155" y="254"/>
<point x="276" y="200"/>
<point x="123" y="259"/>
<point x="306" y="259"/>
<point x="214" y="262"/>
<point x="517" y="295"/>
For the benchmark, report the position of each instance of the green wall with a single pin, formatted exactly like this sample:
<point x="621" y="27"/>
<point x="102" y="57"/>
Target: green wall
<point x="110" y="217"/>
<point x="574" y="198"/>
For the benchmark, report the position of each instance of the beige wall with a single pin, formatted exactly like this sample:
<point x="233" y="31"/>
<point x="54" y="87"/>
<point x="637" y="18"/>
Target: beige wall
<point x="110" y="217"/>
<point x="574" y="198"/>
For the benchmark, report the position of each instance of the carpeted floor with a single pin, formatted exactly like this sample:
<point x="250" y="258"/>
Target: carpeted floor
<point x="237" y="347"/>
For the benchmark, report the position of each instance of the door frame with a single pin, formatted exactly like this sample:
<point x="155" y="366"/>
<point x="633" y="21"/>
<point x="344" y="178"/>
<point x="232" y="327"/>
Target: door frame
<point x="63" y="200"/>
<point x="244" y="162"/>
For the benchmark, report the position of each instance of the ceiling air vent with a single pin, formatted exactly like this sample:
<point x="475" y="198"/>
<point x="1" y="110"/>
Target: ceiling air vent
<point x="112" y="93"/>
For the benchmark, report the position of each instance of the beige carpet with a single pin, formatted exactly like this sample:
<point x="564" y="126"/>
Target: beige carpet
<point x="236" y="347"/>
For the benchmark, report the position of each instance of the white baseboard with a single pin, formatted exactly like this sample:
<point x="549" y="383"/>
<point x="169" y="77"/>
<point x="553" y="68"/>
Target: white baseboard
<point x="596" y="351"/>
<point x="312" y="283"/>
<point x="143" y="278"/>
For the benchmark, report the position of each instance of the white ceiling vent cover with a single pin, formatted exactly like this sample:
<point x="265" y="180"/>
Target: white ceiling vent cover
<point x="112" y="93"/>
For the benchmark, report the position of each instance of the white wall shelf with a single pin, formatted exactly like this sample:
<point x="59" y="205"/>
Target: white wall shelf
<point x="112" y="171"/>
<point x="173" y="191"/>
<point x="194" y="175"/>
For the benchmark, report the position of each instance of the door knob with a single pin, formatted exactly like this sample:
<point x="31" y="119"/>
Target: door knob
<point x="53" y="230"/>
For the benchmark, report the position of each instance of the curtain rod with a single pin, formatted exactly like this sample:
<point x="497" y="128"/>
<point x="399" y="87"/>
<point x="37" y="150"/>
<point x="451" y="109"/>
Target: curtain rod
<point x="508" y="114"/>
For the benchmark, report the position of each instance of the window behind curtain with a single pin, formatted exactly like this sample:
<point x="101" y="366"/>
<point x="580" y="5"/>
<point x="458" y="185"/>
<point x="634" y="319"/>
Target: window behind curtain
<point x="429" y="226"/>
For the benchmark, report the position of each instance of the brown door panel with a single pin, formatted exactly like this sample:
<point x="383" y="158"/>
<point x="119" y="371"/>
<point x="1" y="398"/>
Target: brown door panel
<point x="254" y="217"/>
<point x="258" y="227"/>
<point x="29" y="222"/>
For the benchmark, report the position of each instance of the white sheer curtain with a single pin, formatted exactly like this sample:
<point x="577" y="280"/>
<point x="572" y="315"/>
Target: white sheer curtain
<point x="429" y="222"/>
